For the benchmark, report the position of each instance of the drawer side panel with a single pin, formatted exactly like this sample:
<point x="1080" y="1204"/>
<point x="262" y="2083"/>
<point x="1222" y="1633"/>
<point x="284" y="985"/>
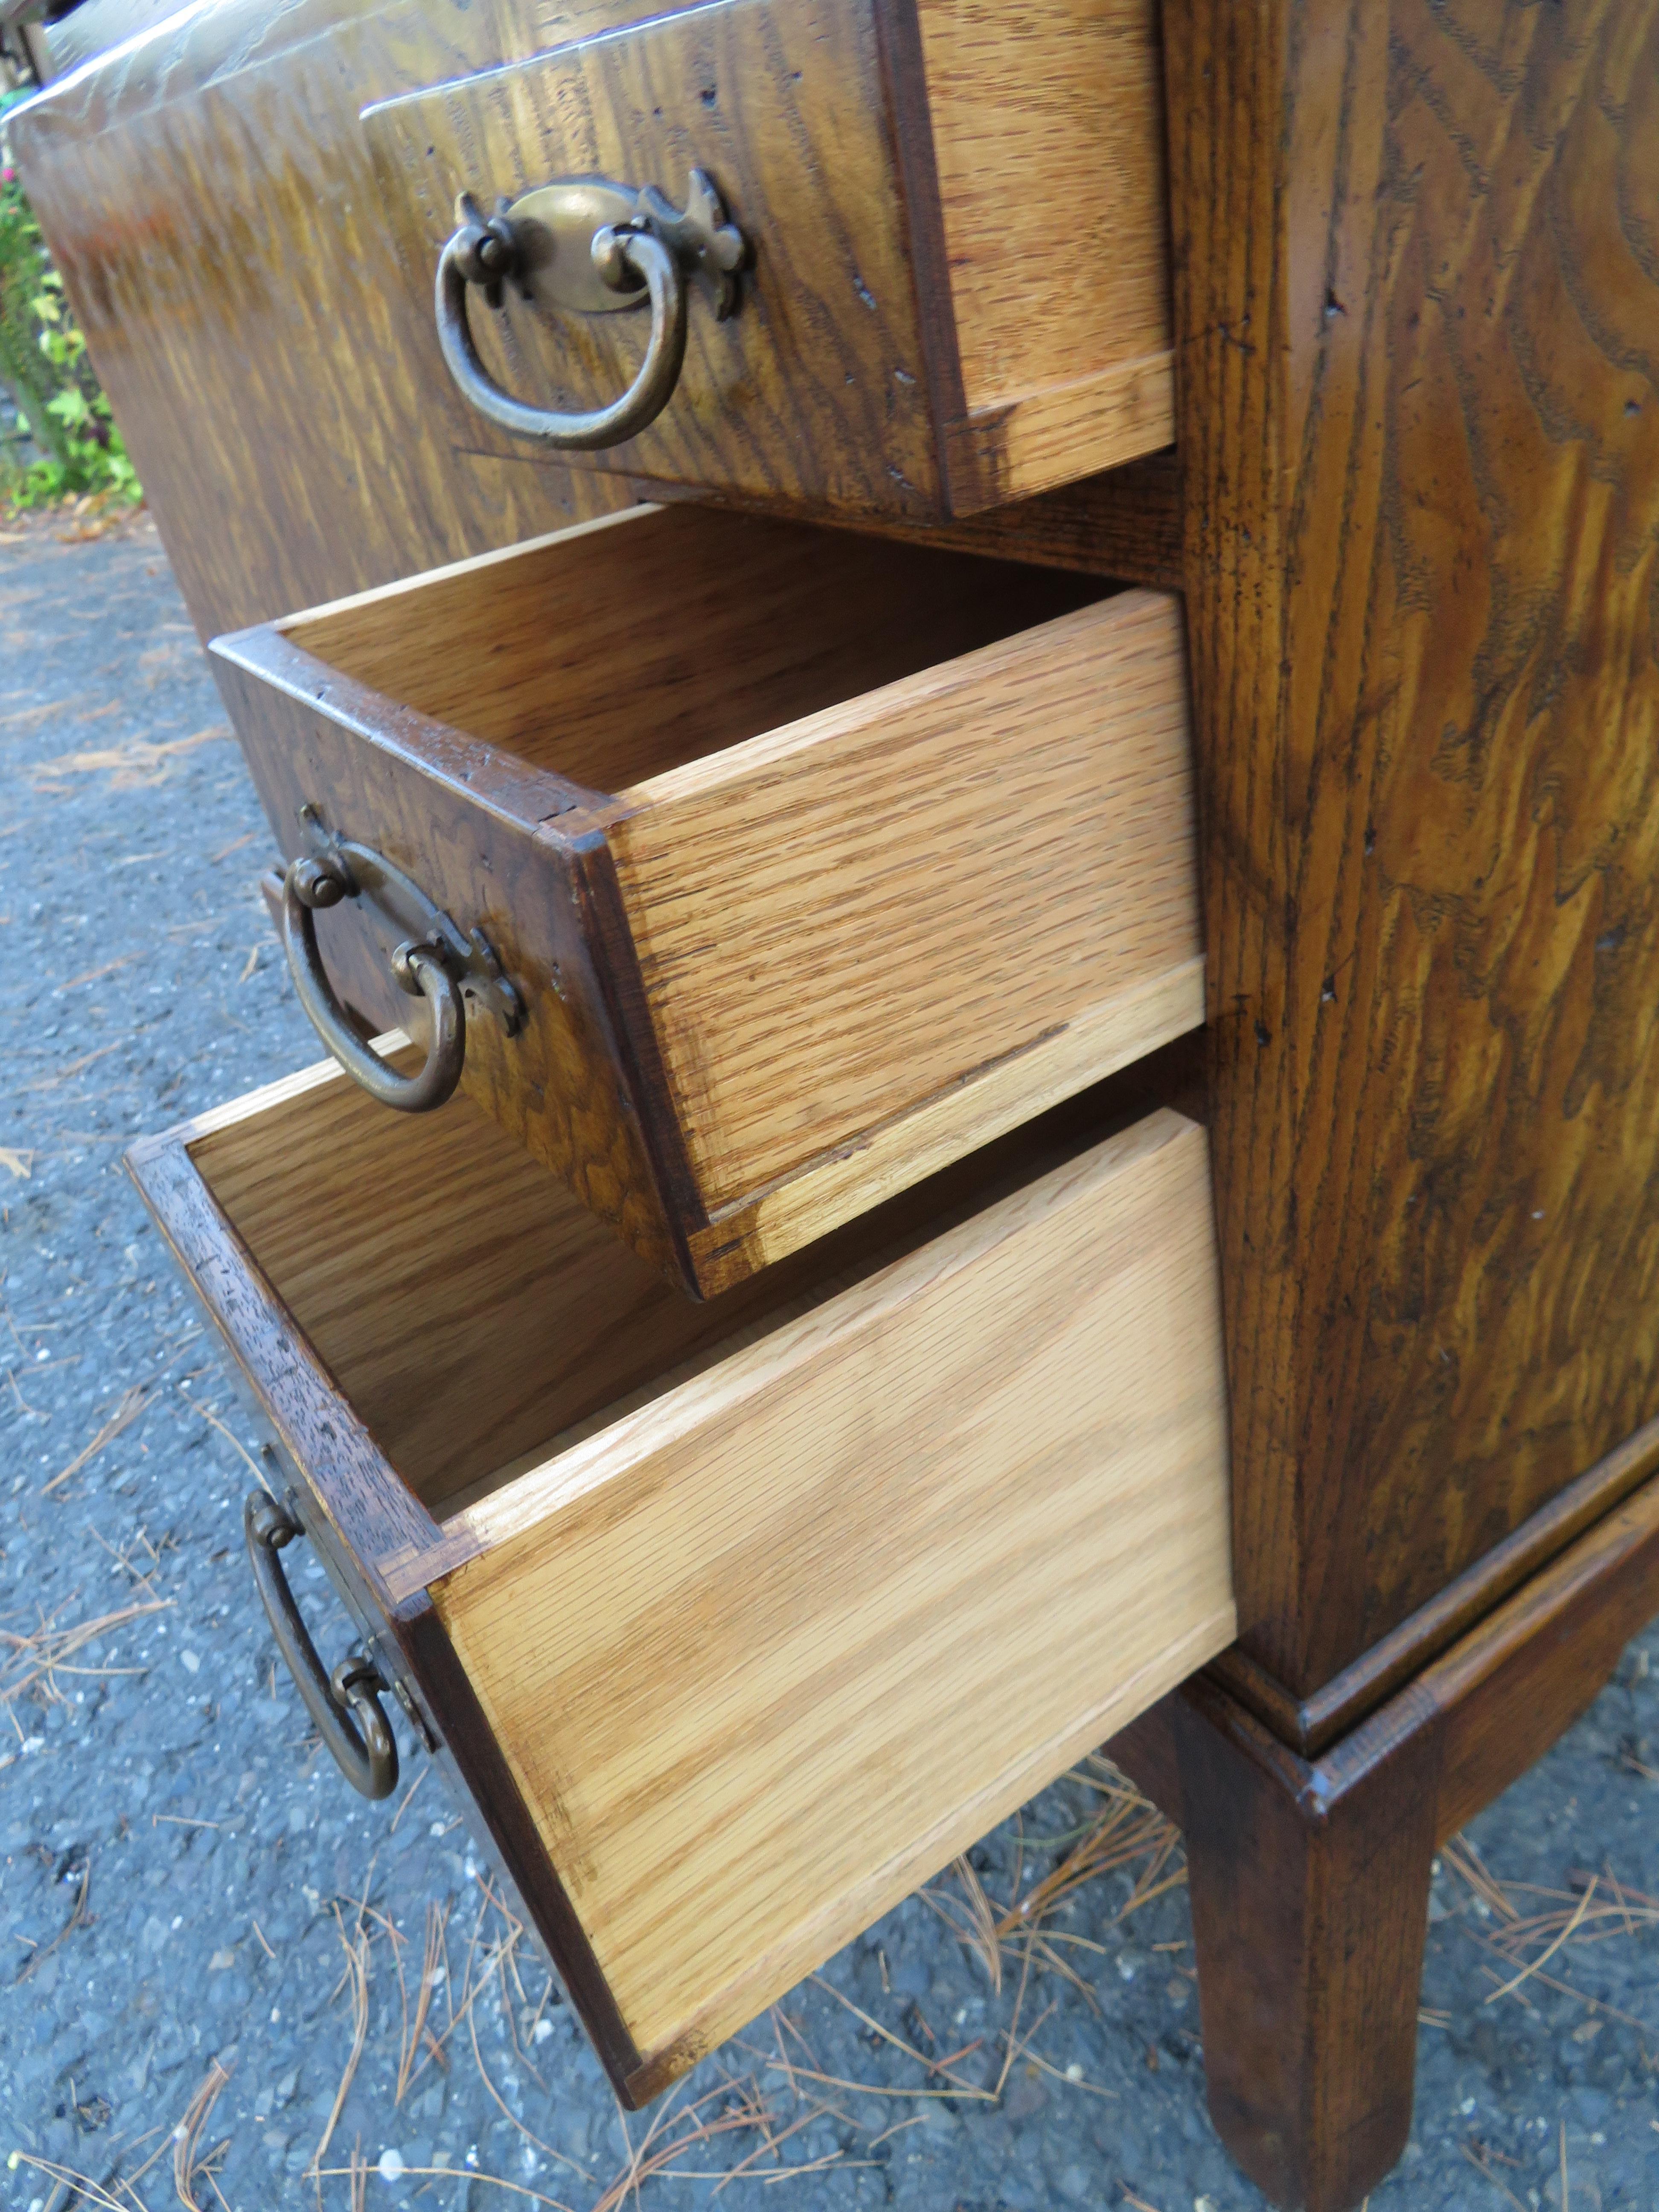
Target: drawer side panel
<point x="996" y="853"/>
<point x="1048" y="125"/>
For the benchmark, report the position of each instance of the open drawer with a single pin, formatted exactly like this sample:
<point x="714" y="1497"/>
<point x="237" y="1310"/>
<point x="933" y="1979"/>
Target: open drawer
<point x="809" y="861"/>
<point x="734" y="1621"/>
<point x="925" y="246"/>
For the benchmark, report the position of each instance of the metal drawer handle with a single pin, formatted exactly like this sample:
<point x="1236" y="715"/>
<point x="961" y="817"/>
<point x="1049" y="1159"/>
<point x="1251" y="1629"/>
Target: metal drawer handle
<point x="345" y="1704"/>
<point x="591" y="246"/>
<point x="430" y="959"/>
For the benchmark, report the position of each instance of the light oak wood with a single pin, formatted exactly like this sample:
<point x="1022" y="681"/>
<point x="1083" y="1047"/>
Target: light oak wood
<point x="889" y="1158"/>
<point x="768" y="1651"/>
<point x="613" y="652"/>
<point x="1048" y="138"/>
<point x="817" y="860"/>
<point x="991" y="850"/>
<point x="811" y="1583"/>
<point x="468" y="1306"/>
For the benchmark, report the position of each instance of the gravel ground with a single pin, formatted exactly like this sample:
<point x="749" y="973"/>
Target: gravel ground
<point x="198" y="1915"/>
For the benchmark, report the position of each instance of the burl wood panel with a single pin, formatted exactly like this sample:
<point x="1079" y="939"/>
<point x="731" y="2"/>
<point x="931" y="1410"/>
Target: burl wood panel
<point x="769" y="1651"/>
<point x="1420" y="436"/>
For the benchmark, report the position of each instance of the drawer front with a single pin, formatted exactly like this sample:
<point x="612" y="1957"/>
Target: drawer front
<point x="735" y="1643"/>
<point x="905" y="337"/>
<point x="851" y="871"/>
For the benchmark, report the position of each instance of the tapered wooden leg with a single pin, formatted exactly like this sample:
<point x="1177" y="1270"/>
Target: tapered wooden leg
<point x="1311" y="1879"/>
<point x="1308" y="1916"/>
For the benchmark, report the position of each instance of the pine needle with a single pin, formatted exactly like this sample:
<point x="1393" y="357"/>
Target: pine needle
<point x="187" y="2164"/>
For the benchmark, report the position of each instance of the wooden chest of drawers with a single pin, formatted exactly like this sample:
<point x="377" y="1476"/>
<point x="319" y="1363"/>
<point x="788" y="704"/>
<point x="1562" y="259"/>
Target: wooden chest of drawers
<point x="1412" y="510"/>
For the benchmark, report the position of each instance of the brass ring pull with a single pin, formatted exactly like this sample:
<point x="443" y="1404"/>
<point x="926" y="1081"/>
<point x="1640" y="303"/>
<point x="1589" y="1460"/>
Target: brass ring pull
<point x="345" y="1705"/>
<point x="430" y="957"/>
<point x="417" y="968"/>
<point x="594" y="247"/>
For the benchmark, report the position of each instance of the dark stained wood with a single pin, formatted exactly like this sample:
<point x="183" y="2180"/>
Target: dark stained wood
<point x="1420" y="433"/>
<point x="893" y="239"/>
<point x="1309" y="1919"/>
<point x="1126" y="524"/>
<point x="466" y="820"/>
<point x="818" y="386"/>
<point x="363" y="1518"/>
<point x="1309" y="1879"/>
<point x="1311" y="1724"/>
<point x="209" y="196"/>
<point x="373" y="1515"/>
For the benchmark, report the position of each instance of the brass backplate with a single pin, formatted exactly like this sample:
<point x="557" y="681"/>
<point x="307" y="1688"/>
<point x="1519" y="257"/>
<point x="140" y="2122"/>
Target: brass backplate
<point x="553" y="229"/>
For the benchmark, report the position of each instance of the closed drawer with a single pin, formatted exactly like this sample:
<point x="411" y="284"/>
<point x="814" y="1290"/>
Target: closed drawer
<point x="812" y="861"/>
<point x="734" y="1621"/>
<point x="953" y="288"/>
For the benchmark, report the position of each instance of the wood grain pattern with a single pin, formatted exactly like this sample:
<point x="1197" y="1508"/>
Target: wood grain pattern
<point x="1003" y="122"/>
<point x="209" y="195"/>
<point x="420" y="1258"/>
<point x="1008" y="1448"/>
<point x="1047" y="126"/>
<point x="1309" y="1879"/>
<point x="816" y="387"/>
<point x="465" y="1302"/>
<point x="1128" y="1027"/>
<point x="1419" y="429"/>
<point x="621" y="650"/>
<point x="1310" y="1725"/>
<point x="1011" y="450"/>
<point x="904" y="862"/>
<point x="970" y="864"/>
<point x="1127" y="523"/>
<point x="374" y="1516"/>
<point x="404" y="1317"/>
<point x="845" y="380"/>
<point x="463" y="818"/>
<point x="361" y="1515"/>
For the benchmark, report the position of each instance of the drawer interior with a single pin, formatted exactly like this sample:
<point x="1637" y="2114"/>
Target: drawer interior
<point x="618" y="652"/>
<point x="478" y="1319"/>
